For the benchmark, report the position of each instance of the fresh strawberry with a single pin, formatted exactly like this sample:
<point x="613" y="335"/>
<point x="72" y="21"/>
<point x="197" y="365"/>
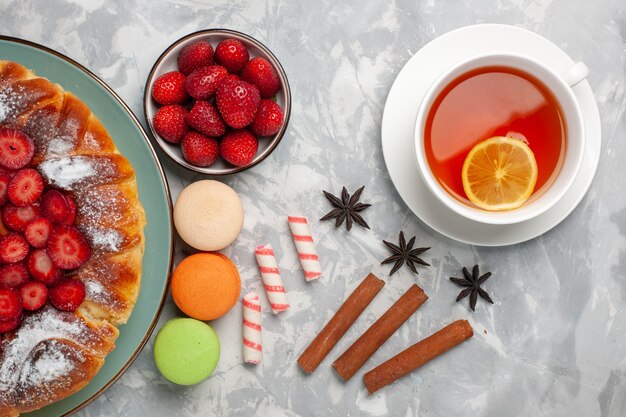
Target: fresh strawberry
<point x="203" y="82"/>
<point x="37" y="232"/>
<point x="231" y="77"/>
<point x="55" y="207"/>
<point x="232" y="55"/>
<point x="13" y="248"/>
<point x="5" y="178"/>
<point x="238" y="147"/>
<point x="237" y="102"/>
<point x="16" y="218"/>
<point x="25" y="187"/>
<point x="263" y="75"/>
<point x="10" y="325"/>
<point x="195" y="55"/>
<point x="16" y="148"/>
<point x="200" y="150"/>
<point x="41" y="268"/>
<point x="13" y="275"/>
<point x="169" y="123"/>
<point x="67" y="295"/>
<point x="71" y="204"/>
<point x="10" y="304"/>
<point x="268" y="119"/>
<point x="204" y="118"/>
<point x="34" y="295"/>
<point x="169" y="88"/>
<point x="67" y="247"/>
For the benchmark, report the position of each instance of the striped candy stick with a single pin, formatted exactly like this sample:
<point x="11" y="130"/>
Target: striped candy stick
<point x="252" y="350"/>
<point x="303" y="239"/>
<point x="271" y="278"/>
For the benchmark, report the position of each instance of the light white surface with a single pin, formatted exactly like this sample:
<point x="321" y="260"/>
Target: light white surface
<point x="398" y="134"/>
<point x="552" y="345"/>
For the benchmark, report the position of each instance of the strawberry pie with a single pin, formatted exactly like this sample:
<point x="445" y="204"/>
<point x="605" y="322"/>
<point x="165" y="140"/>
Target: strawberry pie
<point x="71" y="242"/>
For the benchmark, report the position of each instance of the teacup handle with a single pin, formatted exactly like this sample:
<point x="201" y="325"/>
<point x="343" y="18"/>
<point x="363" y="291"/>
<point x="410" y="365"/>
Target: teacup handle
<point x="575" y="74"/>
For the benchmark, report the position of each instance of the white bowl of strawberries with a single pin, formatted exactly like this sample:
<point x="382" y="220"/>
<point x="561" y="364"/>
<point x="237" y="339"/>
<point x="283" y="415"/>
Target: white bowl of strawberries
<point x="217" y="101"/>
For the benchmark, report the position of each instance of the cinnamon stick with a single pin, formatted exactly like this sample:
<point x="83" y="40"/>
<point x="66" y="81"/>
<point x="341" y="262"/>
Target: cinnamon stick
<point x="339" y="324"/>
<point x="417" y="355"/>
<point x="353" y="359"/>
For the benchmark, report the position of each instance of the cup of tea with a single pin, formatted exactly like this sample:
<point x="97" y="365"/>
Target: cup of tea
<point x="483" y="116"/>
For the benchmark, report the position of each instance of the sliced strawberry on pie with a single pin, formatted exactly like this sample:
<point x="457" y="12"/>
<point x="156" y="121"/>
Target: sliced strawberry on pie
<point x="16" y="218"/>
<point x="9" y="325"/>
<point x="37" y="232"/>
<point x="67" y="247"/>
<point x="13" y="248"/>
<point x="34" y="295"/>
<point x="71" y="204"/>
<point x="41" y="267"/>
<point x="16" y="148"/>
<point x="25" y="187"/>
<point x="13" y="275"/>
<point x="55" y="206"/>
<point x="5" y="178"/>
<point x="67" y="295"/>
<point x="10" y="304"/>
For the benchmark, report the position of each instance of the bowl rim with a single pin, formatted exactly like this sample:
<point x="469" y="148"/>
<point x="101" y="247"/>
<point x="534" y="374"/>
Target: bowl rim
<point x="277" y="136"/>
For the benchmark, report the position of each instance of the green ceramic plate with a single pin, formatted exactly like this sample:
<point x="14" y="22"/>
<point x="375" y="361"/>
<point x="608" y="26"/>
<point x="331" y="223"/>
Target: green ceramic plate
<point x="153" y="192"/>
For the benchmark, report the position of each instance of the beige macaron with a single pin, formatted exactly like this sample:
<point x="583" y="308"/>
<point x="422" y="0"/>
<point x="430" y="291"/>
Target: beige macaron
<point x="208" y="215"/>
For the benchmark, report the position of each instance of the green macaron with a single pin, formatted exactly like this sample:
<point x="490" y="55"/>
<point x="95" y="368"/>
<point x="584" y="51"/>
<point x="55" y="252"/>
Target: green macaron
<point x="186" y="351"/>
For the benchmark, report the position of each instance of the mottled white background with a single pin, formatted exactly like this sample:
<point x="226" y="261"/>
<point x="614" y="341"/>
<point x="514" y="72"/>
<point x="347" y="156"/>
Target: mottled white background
<point x="552" y="345"/>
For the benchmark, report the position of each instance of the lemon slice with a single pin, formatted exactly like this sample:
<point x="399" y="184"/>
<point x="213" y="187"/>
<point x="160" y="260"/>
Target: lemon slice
<point x="499" y="173"/>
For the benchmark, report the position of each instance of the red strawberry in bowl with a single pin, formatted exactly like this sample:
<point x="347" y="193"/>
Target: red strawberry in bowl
<point x="262" y="74"/>
<point x="169" y="123"/>
<point x="16" y="148"/>
<point x="202" y="83"/>
<point x="268" y="119"/>
<point x="237" y="102"/>
<point x="169" y="88"/>
<point x="195" y="55"/>
<point x="200" y="150"/>
<point x="232" y="55"/>
<point x="204" y="118"/>
<point x="238" y="147"/>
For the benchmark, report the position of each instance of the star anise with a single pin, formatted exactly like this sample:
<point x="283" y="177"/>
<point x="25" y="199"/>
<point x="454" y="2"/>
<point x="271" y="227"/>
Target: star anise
<point x="346" y="208"/>
<point x="404" y="253"/>
<point x="472" y="282"/>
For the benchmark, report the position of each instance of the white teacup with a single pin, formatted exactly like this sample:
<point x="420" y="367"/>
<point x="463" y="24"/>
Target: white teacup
<point x="561" y="87"/>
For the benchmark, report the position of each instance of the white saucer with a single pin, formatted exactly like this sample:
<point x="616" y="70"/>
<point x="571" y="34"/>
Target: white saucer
<point x="399" y="119"/>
